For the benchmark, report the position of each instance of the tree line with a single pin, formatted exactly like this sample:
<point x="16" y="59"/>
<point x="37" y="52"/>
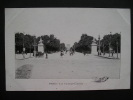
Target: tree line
<point x="84" y="44"/>
<point x="51" y="43"/>
<point x="108" y="41"/>
<point x="111" y="41"/>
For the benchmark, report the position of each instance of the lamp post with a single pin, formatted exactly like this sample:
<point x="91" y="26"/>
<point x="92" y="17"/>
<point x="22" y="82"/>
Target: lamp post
<point x="34" y="46"/>
<point x="23" y="46"/>
<point x="103" y="48"/>
<point x="47" y="49"/>
<point x="109" y="49"/>
<point x="99" y="45"/>
<point x="15" y="47"/>
<point x="30" y="50"/>
<point x="31" y="44"/>
<point x="117" y="48"/>
<point x="109" y="43"/>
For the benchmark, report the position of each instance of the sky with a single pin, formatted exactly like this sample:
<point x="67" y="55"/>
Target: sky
<point x="67" y="24"/>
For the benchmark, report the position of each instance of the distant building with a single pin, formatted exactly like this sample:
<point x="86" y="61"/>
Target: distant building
<point x="68" y="46"/>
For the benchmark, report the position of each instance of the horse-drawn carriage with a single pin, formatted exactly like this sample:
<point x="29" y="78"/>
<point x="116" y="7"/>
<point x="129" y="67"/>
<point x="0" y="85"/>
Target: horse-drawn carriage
<point x="86" y="52"/>
<point x="39" y="54"/>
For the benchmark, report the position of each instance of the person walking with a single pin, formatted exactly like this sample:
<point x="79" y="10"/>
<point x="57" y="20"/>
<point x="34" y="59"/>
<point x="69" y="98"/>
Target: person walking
<point x="46" y="55"/>
<point x="112" y="52"/>
<point x="61" y="53"/>
<point x="66" y="51"/>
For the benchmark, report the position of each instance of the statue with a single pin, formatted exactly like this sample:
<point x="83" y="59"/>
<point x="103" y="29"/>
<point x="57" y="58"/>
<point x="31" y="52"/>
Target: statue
<point x="94" y="47"/>
<point x="41" y="46"/>
<point x="40" y="42"/>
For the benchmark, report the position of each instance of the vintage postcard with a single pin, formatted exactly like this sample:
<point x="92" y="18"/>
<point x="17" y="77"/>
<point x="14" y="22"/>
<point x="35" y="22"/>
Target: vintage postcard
<point x="59" y="49"/>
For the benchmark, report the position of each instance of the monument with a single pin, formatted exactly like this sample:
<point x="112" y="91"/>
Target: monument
<point x="94" y="47"/>
<point x="40" y="46"/>
<point x="68" y="47"/>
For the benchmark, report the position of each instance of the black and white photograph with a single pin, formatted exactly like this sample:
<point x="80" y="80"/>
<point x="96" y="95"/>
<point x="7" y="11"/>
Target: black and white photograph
<point x="88" y="46"/>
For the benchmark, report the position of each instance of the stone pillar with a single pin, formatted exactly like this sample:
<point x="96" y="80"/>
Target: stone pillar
<point x="40" y="46"/>
<point x="94" y="47"/>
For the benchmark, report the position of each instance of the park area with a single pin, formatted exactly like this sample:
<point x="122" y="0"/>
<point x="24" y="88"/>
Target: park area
<point x="78" y="66"/>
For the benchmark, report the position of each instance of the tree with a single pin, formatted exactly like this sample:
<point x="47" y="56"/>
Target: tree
<point x="84" y="44"/>
<point x="25" y="41"/>
<point x="62" y="46"/>
<point x="19" y="42"/>
<point x="111" y="39"/>
<point x="51" y="43"/>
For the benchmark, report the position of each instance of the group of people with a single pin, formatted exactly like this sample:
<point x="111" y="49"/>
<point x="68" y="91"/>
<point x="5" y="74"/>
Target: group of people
<point x="71" y="52"/>
<point x="61" y="53"/>
<point x="111" y="52"/>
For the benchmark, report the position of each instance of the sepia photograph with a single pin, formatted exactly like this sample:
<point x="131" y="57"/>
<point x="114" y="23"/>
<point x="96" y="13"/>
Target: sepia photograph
<point x="67" y="43"/>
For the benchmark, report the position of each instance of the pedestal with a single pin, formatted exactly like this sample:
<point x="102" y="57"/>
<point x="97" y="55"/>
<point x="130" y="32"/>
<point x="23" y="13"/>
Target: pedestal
<point x="94" y="49"/>
<point x="34" y="53"/>
<point x="40" y="48"/>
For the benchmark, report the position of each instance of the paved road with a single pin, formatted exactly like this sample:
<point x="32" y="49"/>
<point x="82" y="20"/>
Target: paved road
<point x="77" y="66"/>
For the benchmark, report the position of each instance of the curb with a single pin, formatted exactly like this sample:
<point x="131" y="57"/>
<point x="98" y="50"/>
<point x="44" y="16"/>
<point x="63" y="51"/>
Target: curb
<point x="108" y="57"/>
<point x="23" y="58"/>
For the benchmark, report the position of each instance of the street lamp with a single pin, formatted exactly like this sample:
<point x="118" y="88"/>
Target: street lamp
<point x="109" y="43"/>
<point x="109" y="49"/>
<point x="46" y="49"/>
<point x="30" y="49"/>
<point x="23" y="46"/>
<point x="15" y="47"/>
<point x="117" y="48"/>
<point x="34" y="46"/>
<point x="99" y="45"/>
<point x="103" y="48"/>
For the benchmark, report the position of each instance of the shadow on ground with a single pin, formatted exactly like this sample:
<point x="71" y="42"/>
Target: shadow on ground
<point x="23" y="72"/>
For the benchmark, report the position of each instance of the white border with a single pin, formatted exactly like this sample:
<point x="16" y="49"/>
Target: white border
<point x="13" y="84"/>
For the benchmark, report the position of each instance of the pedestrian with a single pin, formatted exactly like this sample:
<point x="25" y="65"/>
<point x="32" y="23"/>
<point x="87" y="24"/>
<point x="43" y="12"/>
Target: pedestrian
<point x="104" y="53"/>
<point x="17" y="52"/>
<point x="66" y="51"/>
<point x="70" y="52"/>
<point x="112" y="52"/>
<point x="98" y="52"/>
<point x="46" y="55"/>
<point x="61" y="54"/>
<point x="84" y="53"/>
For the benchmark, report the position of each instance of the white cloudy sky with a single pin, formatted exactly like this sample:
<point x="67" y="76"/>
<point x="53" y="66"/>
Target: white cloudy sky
<point x="67" y="24"/>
